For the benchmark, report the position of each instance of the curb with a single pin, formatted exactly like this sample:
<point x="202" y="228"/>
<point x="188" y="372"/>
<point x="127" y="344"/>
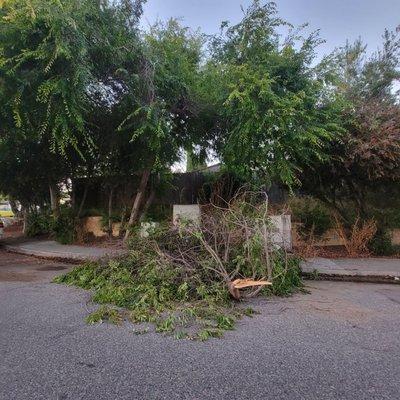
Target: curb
<point x="55" y="256"/>
<point x="45" y="255"/>
<point x="393" y="280"/>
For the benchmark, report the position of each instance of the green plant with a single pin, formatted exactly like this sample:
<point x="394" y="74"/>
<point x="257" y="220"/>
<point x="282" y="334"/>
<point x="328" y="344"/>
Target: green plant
<point x="158" y="213"/>
<point x="38" y="223"/>
<point x="166" y="325"/>
<point x="312" y="215"/>
<point x="180" y="335"/>
<point x="105" y="314"/>
<point x="171" y="281"/>
<point x="64" y="226"/>
<point x="286" y="276"/>
<point x="381" y="244"/>
<point x="273" y="117"/>
<point x="114" y="217"/>
<point x="209" y="333"/>
<point x="225" y="322"/>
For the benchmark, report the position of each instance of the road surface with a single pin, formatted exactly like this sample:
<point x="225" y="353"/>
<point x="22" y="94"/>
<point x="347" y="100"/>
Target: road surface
<point x="341" y="341"/>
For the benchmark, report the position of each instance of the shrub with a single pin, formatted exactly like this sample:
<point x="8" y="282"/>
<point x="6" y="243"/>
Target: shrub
<point x="64" y="226"/>
<point x="381" y="244"/>
<point x="158" y="213"/>
<point x="358" y="238"/>
<point x="313" y="216"/>
<point x="38" y="223"/>
<point x="305" y="246"/>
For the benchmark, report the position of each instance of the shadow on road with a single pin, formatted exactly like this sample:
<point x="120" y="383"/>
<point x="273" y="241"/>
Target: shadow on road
<point x="20" y="268"/>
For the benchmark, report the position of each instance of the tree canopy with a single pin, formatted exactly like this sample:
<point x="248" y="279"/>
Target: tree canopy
<point x="273" y="116"/>
<point x="368" y="154"/>
<point x="86" y="93"/>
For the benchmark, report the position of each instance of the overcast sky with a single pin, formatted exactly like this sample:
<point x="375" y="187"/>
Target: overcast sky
<point x="338" y="19"/>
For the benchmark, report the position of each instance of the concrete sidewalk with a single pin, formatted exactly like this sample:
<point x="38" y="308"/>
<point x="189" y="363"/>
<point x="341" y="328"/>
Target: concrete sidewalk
<point x="354" y="269"/>
<point x="54" y="250"/>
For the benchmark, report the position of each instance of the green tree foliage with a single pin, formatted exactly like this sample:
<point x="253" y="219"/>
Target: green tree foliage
<point x="163" y="100"/>
<point x="160" y="120"/>
<point x="274" y="116"/>
<point x="59" y="65"/>
<point x="45" y="67"/>
<point x="85" y="93"/>
<point x="26" y="168"/>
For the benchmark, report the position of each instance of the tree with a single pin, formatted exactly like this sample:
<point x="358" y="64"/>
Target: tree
<point x="163" y="101"/>
<point x="368" y="155"/>
<point x="46" y="68"/>
<point x="273" y="118"/>
<point x="58" y="66"/>
<point x="26" y="168"/>
<point x="45" y="71"/>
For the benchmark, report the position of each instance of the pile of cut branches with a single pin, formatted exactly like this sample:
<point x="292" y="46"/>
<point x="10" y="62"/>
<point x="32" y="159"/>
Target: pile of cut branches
<point x="187" y="279"/>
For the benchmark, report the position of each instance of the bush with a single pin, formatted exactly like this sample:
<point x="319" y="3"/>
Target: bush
<point x="358" y="238"/>
<point x="64" y="227"/>
<point x="314" y="218"/>
<point x="381" y="244"/>
<point x="38" y="224"/>
<point x="158" y="213"/>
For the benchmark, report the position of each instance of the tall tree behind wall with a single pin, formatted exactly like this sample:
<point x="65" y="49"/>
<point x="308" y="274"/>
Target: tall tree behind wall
<point x="368" y="155"/>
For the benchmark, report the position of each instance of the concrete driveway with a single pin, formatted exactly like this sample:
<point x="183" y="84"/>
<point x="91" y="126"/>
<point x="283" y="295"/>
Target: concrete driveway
<point x="341" y="341"/>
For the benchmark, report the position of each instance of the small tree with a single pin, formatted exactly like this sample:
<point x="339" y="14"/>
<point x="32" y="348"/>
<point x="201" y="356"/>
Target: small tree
<point x="160" y="122"/>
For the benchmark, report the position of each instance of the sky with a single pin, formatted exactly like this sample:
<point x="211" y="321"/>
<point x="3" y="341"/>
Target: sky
<point x="338" y="20"/>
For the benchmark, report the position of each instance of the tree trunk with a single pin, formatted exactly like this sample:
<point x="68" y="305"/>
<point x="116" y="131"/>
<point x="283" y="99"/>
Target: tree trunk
<point x="73" y="195"/>
<point x="137" y="203"/>
<point x="85" y="192"/>
<point x="54" y="200"/>
<point x="110" y="199"/>
<point x="148" y="203"/>
<point x="25" y="219"/>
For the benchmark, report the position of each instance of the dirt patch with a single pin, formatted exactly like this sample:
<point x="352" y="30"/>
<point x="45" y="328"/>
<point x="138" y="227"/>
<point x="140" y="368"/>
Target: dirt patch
<point x="338" y="303"/>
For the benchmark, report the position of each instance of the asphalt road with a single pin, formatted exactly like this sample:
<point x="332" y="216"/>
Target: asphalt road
<point x="341" y="341"/>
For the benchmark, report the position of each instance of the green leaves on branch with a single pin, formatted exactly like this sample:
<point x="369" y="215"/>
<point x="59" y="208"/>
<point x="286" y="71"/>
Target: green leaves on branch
<point x="46" y="67"/>
<point x="274" y="115"/>
<point x="274" y="132"/>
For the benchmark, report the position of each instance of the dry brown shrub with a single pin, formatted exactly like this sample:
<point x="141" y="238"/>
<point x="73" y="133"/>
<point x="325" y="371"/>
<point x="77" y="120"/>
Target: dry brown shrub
<point x="357" y="238"/>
